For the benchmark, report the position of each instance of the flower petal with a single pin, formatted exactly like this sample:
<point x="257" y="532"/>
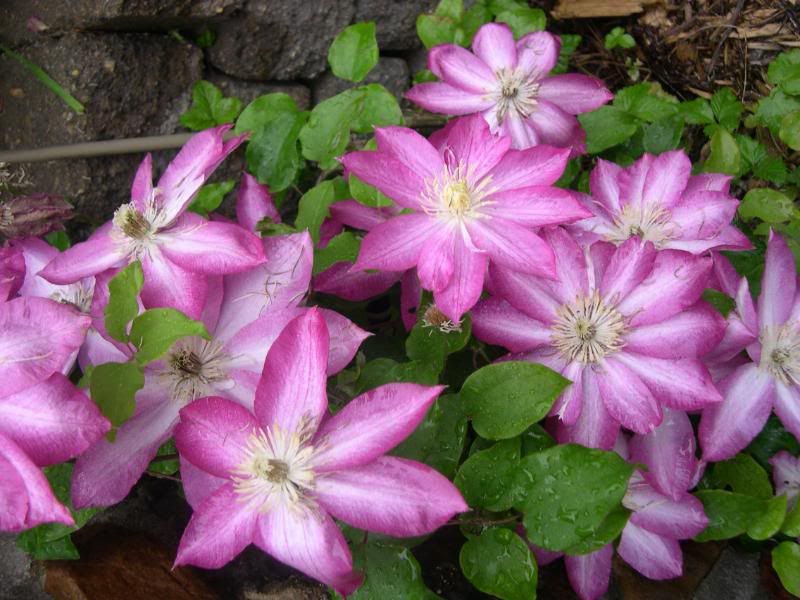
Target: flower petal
<point x="627" y="398"/>
<point x="354" y="214"/>
<point x="410" y="297"/>
<point x="537" y="53"/>
<point x="411" y="149"/>
<point x="704" y="215"/>
<point x="466" y="284"/>
<point x="462" y="69"/>
<point x="371" y="425"/>
<point x="629" y="266"/>
<point x="778" y="283"/>
<point x="214" y="434"/>
<point x="342" y="281"/>
<point x="210" y="247"/>
<point x="787" y="406"/>
<point x="25" y="495"/>
<point x="495" y="321"/>
<point x="556" y="127"/>
<point x="536" y="206"/>
<point x="142" y="188"/>
<point x="254" y="203"/>
<point x="469" y="142"/>
<point x="574" y="93"/>
<point x="689" y="334"/>
<point x="709" y="182"/>
<point x="310" y="542"/>
<point x="220" y="528"/>
<point x="494" y="45"/>
<point x="52" y="421"/>
<point x="292" y="386"/>
<point x="589" y="573"/>
<point x="669" y="453"/>
<point x="169" y="285"/>
<point x="536" y="297"/>
<point x="197" y="484"/>
<point x="679" y="518"/>
<point x="448" y="99"/>
<point x="387" y="173"/>
<point x="654" y="556"/>
<point x="727" y="427"/>
<point x="345" y="339"/>
<point x="513" y="246"/>
<point x="786" y="474"/>
<point x="91" y="257"/>
<point x="396" y="245"/>
<point x="390" y="495"/>
<point x="435" y="265"/>
<point x="539" y="167"/>
<point x="595" y="427"/>
<point x="667" y="178"/>
<point x="13" y="271"/>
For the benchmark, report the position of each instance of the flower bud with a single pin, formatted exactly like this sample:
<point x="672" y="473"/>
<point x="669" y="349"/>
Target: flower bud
<point x="34" y="215"/>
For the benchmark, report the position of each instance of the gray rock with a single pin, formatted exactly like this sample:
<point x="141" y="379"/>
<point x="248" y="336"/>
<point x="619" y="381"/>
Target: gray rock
<point x="396" y="21"/>
<point x="417" y="60"/>
<point x="129" y="15"/>
<point x="279" y="39"/>
<point x="735" y="576"/>
<point x="392" y="73"/>
<point x="131" y="85"/>
<point x="17" y="579"/>
<point x="247" y="91"/>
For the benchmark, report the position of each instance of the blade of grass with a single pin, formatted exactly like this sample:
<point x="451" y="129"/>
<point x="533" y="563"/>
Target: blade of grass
<point x="51" y="83"/>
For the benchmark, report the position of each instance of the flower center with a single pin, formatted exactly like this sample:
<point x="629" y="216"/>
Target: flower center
<point x="587" y="329"/>
<point x="77" y="295"/>
<point x="195" y="367"/>
<point x="277" y="468"/>
<point x="780" y="352"/>
<point x="453" y="195"/>
<point x="651" y="223"/>
<point x="515" y="91"/>
<point x="132" y="222"/>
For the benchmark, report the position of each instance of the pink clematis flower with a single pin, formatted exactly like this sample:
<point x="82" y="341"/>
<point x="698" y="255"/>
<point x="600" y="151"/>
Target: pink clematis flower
<point x="786" y="476"/>
<point x="626" y="325"/>
<point x="178" y="249"/>
<point x="663" y="512"/>
<point x="244" y="322"/>
<point x="44" y="419"/>
<point x="275" y="478"/>
<point x="12" y="271"/>
<point x="508" y="84"/>
<point x="471" y="201"/>
<point x="658" y="200"/>
<point x="770" y="333"/>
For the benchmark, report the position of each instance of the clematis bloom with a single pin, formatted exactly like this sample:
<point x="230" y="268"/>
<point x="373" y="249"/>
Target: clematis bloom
<point x="770" y="333"/>
<point x="44" y="418"/>
<point x="626" y="325"/>
<point x="658" y="200"/>
<point x="178" y="250"/>
<point x="472" y="201"/>
<point x="508" y="84"/>
<point x="275" y="477"/>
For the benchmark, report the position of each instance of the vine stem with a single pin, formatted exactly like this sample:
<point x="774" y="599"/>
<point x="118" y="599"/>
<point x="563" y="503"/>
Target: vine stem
<point x="483" y="522"/>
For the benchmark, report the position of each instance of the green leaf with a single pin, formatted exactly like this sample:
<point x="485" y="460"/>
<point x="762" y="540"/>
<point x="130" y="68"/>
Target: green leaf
<point x="432" y="345"/>
<point x="52" y="541"/>
<point x="722" y="302"/>
<point x="354" y="52"/>
<point x="769" y="520"/>
<point x="385" y="370"/>
<point x="567" y="492"/>
<point x="113" y="387"/>
<point x="523" y="20"/>
<point x="663" y="135"/>
<point x="498" y="562"/>
<point x="58" y="239"/>
<point x="645" y="101"/>
<point x="771" y="206"/>
<point x="123" y="304"/>
<point x="273" y="155"/>
<point x="791" y="525"/>
<point x="374" y="106"/>
<point x="784" y="72"/>
<point x="697" y="112"/>
<point x="569" y="43"/>
<point x="789" y="131"/>
<point x="366" y="194"/>
<point x="209" y="108"/>
<point x="504" y="399"/>
<point x="618" y="38"/>
<point x="786" y="562"/>
<point x="773" y="437"/>
<point x="606" y="532"/>
<point x="727" y="108"/>
<point x="155" y="330"/>
<point x="729" y="514"/>
<point x="450" y="8"/>
<point x="743" y="475"/>
<point x="724" y="156"/>
<point x="606" y="127"/>
<point x="474" y="17"/>
<point x="312" y="209"/>
<point x="389" y="572"/>
<point x="46" y="80"/>
<point x="536" y="439"/>
<point x="771" y="110"/>
<point x="210" y="197"/>
<point x="436" y="29"/>
<point x="169" y="466"/>
<point x="343" y="247"/>
<point x="439" y="440"/>
<point x="488" y="477"/>
<point x="264" y="109"/>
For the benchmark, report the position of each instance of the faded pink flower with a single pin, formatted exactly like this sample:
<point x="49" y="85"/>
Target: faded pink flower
<point x="508" y="84"/>
<point x="658" y="200"/>
<point x="277" y="477"/>
<point x="770" y="333"/>
<point x="786" y="476"/>
<point x="626" y="325"/>
<point x="471" y="200"/>
<point x="178" y="250"/>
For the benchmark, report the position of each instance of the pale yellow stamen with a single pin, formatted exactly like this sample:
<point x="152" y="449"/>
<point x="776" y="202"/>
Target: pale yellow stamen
<point x="588" y="329"/>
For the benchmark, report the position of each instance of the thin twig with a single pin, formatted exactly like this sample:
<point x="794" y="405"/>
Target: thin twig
<point x="163" y="476"/>
<point x="164" y="457"/>
<point x="483" y="522"/>
<point x="728" y="30"/>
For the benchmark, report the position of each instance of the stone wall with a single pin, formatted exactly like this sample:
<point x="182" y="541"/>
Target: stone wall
<point x="130" y="62"/>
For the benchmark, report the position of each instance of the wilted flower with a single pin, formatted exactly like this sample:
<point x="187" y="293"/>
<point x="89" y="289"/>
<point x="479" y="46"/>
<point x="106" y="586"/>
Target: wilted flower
<point x="471" y="201"/>
<point x="44" y="419"/>
<point x="508" y="84"/>
<point x="34" y="215"/>
<point x="178" y="250"/>
<point x="275" y="478"/>
<point x="770" y="334"/>
<point x="658" y="200"/>
<point x="786" y="476"/>
<point x="626" y="325"/>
